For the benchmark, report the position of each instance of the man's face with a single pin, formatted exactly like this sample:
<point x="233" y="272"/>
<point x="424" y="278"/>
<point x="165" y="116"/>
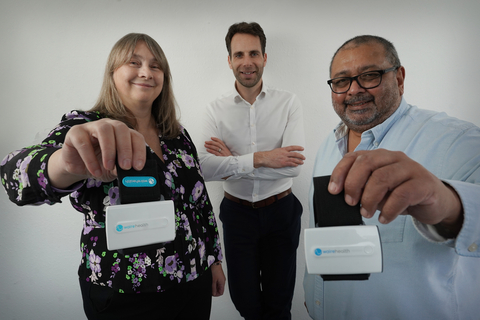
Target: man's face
<point x="247" y="61"/>
<point x="362" y="109"/>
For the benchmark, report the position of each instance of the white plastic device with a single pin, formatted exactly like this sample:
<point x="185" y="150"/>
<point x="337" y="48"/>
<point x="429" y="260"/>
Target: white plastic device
<point x="343" y="250"/>
<point x="139" y="224"/>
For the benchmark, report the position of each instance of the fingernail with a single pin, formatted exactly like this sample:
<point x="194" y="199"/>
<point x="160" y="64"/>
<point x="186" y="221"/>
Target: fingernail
<point x="382" y="220"/>
<point x="138" y="165"/>
<point x="349" y="200"/>
<point x="332" y="187"/>
<point x="364" y="213"/>
<point x="127" y="163"/>
<point x="110" y="164"/>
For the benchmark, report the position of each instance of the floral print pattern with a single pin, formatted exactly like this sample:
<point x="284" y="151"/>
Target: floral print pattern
<point x="196" y="246"/>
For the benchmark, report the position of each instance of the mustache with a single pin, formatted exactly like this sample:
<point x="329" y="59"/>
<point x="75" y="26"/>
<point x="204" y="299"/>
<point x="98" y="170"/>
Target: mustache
<point x="359" y="98"/>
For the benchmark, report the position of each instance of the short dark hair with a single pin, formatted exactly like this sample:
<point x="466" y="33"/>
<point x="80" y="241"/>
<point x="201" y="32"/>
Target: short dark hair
<point x="252" y="28"/>
<point x="390" y="52"/>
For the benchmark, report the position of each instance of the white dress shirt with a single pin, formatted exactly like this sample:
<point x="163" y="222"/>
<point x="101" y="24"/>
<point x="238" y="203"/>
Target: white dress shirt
<point x="274" y="120"/>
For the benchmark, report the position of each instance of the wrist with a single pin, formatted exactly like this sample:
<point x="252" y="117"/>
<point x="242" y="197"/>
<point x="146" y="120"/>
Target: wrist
<point x="58" y="175"/>
<point x="258" y="159"/>
<point x="451" y="226"/>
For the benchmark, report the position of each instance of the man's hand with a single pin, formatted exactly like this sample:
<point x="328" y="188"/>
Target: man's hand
<point x="217" y="147"/>
<point x="393" y="183"/>
<point x="279" y="157"/>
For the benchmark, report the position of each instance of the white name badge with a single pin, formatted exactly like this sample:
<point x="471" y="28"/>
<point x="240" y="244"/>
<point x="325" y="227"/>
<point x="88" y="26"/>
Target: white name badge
<point x="343" y="250"/>
<point x="139" y="224"/>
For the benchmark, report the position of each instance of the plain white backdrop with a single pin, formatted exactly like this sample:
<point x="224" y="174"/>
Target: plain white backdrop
<point x="52" y="60"/>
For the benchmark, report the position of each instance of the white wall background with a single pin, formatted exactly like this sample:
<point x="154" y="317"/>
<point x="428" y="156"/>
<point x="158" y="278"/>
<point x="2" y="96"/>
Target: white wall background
<point x="52" y="59"/>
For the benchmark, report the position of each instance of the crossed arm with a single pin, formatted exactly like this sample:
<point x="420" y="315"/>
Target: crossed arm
<point x="283" y="157"/>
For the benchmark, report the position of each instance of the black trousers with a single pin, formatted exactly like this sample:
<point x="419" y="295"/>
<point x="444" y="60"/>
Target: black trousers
<point x="261" y="253"/>
<point x="187" y="301"/>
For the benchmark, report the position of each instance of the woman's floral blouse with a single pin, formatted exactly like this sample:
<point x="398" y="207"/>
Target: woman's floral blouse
<point x="196" y="246"/>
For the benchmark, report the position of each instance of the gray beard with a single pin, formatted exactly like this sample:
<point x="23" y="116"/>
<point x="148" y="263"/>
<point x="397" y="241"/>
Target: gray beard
<point x="378" y="116"/>
<point x="361" y="122"/>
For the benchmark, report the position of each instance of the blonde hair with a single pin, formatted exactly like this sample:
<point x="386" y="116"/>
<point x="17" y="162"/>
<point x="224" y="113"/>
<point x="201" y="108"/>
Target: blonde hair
<point x="163" y="108"/>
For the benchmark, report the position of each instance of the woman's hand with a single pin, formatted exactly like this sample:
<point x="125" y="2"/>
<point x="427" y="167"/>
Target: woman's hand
<point x="218" y="280"/>
<point x="90" y="150"/>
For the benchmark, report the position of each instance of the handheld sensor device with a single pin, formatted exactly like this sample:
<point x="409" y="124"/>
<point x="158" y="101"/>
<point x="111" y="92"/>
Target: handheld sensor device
<point x="143" y="218"/>
<point x="340" y="247"/>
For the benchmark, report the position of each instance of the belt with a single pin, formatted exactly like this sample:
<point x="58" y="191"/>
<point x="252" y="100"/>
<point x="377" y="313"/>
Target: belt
<point x="259" y="204"/>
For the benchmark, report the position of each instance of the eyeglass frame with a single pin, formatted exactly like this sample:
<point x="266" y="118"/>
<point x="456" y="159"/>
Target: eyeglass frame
<point x="382" y="72"/>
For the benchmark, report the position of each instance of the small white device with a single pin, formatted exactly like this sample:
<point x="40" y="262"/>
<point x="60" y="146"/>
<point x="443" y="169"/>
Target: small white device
<point x="139" y="224"/>
<point x="343" y="250"/>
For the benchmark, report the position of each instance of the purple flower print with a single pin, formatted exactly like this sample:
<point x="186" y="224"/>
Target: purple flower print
<point x="170" y="264"/>
<point x="113" y="195"/>
<point x="201" y="249"/>
<point x="188" y="160"/>
<point x="193" y="271"/>
<point x="9" y="156"/>
<point x="93" y="183"/>
<point x="168" y="179"/>
<point x="179" y="275"/>
<point x="177" y="163"/>
<point x="135" y="272"/>
<point x="42" y="181"/>
<point x="75" y="115"/>
<point x="197" y="190"/>
<point x="94" y="240"/>
<point x="23" y="171"/>
<point x="172" y="169"/>
<point x="94" y="262"/>
<point x="115" y="268"/>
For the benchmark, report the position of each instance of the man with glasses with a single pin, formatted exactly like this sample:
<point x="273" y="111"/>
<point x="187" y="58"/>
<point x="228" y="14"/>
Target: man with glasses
<point x="254" y="142"/>
<point x="416" y="174"/>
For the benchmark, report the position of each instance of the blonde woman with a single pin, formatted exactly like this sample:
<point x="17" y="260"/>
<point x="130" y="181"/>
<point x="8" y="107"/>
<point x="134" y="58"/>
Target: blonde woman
<point x="135" y="115"/>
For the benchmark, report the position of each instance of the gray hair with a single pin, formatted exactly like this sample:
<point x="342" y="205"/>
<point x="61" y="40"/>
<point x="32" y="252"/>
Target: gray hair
<point x="390" y="52"/>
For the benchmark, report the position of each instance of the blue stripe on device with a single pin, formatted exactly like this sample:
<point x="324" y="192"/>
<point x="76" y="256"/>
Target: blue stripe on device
<point x="139" y="181"/>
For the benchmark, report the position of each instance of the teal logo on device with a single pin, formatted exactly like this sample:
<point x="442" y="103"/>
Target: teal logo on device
<point x="140" y="181"/>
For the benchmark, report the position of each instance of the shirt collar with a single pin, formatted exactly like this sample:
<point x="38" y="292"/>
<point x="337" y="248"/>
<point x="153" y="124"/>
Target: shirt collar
<point x="238" y="98"/>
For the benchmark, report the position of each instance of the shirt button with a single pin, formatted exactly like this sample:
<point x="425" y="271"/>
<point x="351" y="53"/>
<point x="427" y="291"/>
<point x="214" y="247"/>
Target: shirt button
<point x="473" y="247"/>
<point x="317" y="302"/>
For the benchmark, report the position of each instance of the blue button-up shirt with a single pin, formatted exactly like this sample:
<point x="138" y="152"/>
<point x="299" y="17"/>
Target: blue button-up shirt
<point x="424" y="275"/>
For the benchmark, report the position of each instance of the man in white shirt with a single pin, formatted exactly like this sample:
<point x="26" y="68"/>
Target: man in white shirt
<point x="254" y="141"/>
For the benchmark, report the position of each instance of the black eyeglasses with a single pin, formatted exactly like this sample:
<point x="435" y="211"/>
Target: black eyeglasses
<point x="366" y="80"/>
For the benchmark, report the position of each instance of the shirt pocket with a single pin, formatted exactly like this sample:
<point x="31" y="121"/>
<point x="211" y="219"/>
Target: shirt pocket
<point x="392" y="232"/>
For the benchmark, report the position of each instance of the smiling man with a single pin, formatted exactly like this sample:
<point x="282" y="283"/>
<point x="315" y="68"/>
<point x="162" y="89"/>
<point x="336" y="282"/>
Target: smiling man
<point x="416" y="174"/>
<point x="254" y="142"/>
